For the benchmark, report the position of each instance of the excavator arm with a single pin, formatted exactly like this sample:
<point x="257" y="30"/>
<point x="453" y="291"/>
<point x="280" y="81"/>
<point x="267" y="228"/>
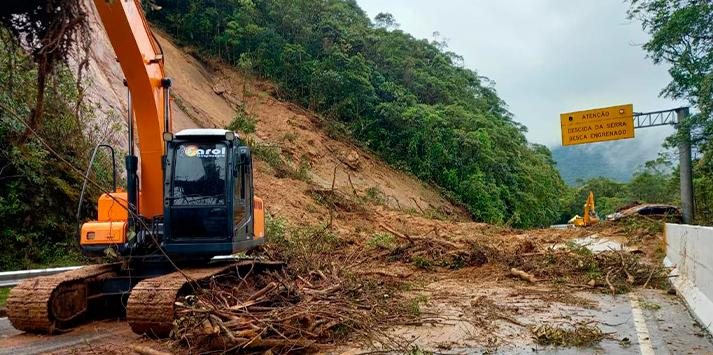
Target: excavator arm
<point x="141" y="61"/>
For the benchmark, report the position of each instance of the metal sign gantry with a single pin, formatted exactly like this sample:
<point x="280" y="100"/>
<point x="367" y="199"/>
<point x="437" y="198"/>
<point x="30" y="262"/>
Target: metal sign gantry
<point x="675" y="117"/>
<point x="657" y="118"/>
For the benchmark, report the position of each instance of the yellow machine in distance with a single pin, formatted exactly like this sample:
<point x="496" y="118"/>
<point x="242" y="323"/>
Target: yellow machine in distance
<point x="589" y="216"/>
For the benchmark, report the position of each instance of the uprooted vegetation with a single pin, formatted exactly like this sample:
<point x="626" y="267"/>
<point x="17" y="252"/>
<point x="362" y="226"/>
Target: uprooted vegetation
<point x="530" y="259"/>
<point x="345" y="283"/>
<point x="314" y="301"/>
<point x="581" y="334"/>
<point x="285" y="311"/>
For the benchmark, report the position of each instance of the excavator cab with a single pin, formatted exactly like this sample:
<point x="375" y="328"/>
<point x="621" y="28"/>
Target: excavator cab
<point x="209" y="208"/>
<point x="209" y="204"/>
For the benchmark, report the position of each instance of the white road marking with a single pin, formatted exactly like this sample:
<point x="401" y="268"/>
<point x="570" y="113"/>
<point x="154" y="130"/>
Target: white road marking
<point x="642" y="332"/>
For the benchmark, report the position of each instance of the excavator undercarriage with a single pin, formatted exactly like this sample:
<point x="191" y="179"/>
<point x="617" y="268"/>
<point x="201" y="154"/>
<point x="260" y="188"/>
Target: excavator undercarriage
<point x="54" y="304"/>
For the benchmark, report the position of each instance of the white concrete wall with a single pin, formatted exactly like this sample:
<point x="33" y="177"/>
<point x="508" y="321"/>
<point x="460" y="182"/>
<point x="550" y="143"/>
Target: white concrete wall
<point x="689" y="250"/>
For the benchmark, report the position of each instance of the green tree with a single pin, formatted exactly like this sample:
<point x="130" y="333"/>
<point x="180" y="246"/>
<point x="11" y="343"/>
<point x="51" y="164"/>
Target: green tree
<point x="682" y="37"/>
<point x="39" y="192"/>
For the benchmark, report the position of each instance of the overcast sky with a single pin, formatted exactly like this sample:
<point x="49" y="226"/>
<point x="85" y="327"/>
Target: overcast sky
<point x="545" y="56"/>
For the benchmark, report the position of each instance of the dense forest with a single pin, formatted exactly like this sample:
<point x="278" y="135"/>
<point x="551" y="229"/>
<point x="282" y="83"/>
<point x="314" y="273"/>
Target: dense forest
<point x="407" y="99"/>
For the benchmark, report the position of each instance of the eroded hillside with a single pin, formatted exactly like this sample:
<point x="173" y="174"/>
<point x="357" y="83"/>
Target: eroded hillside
<point x="210" y="95"/>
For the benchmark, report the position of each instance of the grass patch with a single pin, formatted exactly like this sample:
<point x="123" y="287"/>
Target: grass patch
<point x="267" y="153"/>
<point x="302" y="172"/>
<point x="579" y="335"/>
<point x="649" y="305"/>
<point x="422" y="263"/>
<point x="4" y="292"/>
<point x="381" y="241"/>
<point x="243" y="122"/>
<point x="374" y="195"/>
<point x="275" y="228"/>
<point x="433" y="213"/>
<point x="272" y="155"/>
<point x="290" y="137"/>
<point x="414" y="305"/>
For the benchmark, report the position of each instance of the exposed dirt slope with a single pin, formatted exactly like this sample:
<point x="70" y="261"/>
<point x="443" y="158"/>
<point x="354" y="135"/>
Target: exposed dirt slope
<point x="210" y="97"/>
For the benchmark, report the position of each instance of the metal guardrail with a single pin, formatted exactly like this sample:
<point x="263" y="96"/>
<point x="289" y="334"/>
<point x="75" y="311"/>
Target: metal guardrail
<point x="12" y="278"/>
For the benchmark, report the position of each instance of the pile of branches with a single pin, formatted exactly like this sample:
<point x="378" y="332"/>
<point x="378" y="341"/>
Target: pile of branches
<point x="614" y="271"/>
<point x="277" y="311"/>
<point x="432" y="250"/>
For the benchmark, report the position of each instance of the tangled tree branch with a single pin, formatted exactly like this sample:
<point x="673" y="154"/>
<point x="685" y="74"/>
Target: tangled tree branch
<point x="49" y="30"/>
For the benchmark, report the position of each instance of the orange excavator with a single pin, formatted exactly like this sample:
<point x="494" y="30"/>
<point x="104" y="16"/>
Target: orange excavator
<point x="589" y="217"/>
<point x="189" y="198"/>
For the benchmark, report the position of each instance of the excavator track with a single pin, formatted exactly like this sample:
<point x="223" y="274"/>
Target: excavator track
<point x="150" y="309"/>
<point x="51" y="304"/>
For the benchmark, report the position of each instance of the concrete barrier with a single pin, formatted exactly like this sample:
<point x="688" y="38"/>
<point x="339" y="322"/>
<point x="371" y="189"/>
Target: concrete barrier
<point x="689" y="250"/>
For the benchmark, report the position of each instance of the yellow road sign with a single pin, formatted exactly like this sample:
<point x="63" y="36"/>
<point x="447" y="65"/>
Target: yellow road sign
<point x="598" y="125"/>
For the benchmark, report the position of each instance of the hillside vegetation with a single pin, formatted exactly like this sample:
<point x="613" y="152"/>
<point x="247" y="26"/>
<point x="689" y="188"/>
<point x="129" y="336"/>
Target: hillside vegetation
<point x="409" y="100"/>
<point x="681" y="37"/>
<point x="39" y="192"/>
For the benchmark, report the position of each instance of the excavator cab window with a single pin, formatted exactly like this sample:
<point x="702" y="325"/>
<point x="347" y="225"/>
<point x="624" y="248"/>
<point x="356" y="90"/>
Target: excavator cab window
<point x="199" y="175"/>
<point x="198" y="192"/>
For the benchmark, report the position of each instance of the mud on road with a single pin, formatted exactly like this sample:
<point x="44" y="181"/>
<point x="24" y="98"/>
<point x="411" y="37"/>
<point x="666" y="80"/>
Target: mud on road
<point x="454" y="321"/>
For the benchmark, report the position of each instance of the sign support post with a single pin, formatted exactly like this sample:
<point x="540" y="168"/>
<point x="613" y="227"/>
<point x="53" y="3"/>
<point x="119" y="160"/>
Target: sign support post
<point x="684" y="163"/>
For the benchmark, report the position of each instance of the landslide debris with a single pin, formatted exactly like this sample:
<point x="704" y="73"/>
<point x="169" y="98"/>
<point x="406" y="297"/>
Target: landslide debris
<point x="285" y="312"/>
<point x="580" y="334"/>
<point x="361" y="239"/>
<point x="351" y="279"/>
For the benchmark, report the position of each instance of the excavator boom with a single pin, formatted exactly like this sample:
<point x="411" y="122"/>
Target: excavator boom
<point x="142" y="63"/>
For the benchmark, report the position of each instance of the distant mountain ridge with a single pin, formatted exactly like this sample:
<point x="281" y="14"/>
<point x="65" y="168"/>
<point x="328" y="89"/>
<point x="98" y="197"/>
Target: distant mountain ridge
<point x="617" y="160"/>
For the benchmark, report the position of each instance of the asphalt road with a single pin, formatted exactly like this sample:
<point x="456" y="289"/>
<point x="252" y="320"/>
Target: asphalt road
<point x="13" y="341"/>
<point x="644" y="322"/>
